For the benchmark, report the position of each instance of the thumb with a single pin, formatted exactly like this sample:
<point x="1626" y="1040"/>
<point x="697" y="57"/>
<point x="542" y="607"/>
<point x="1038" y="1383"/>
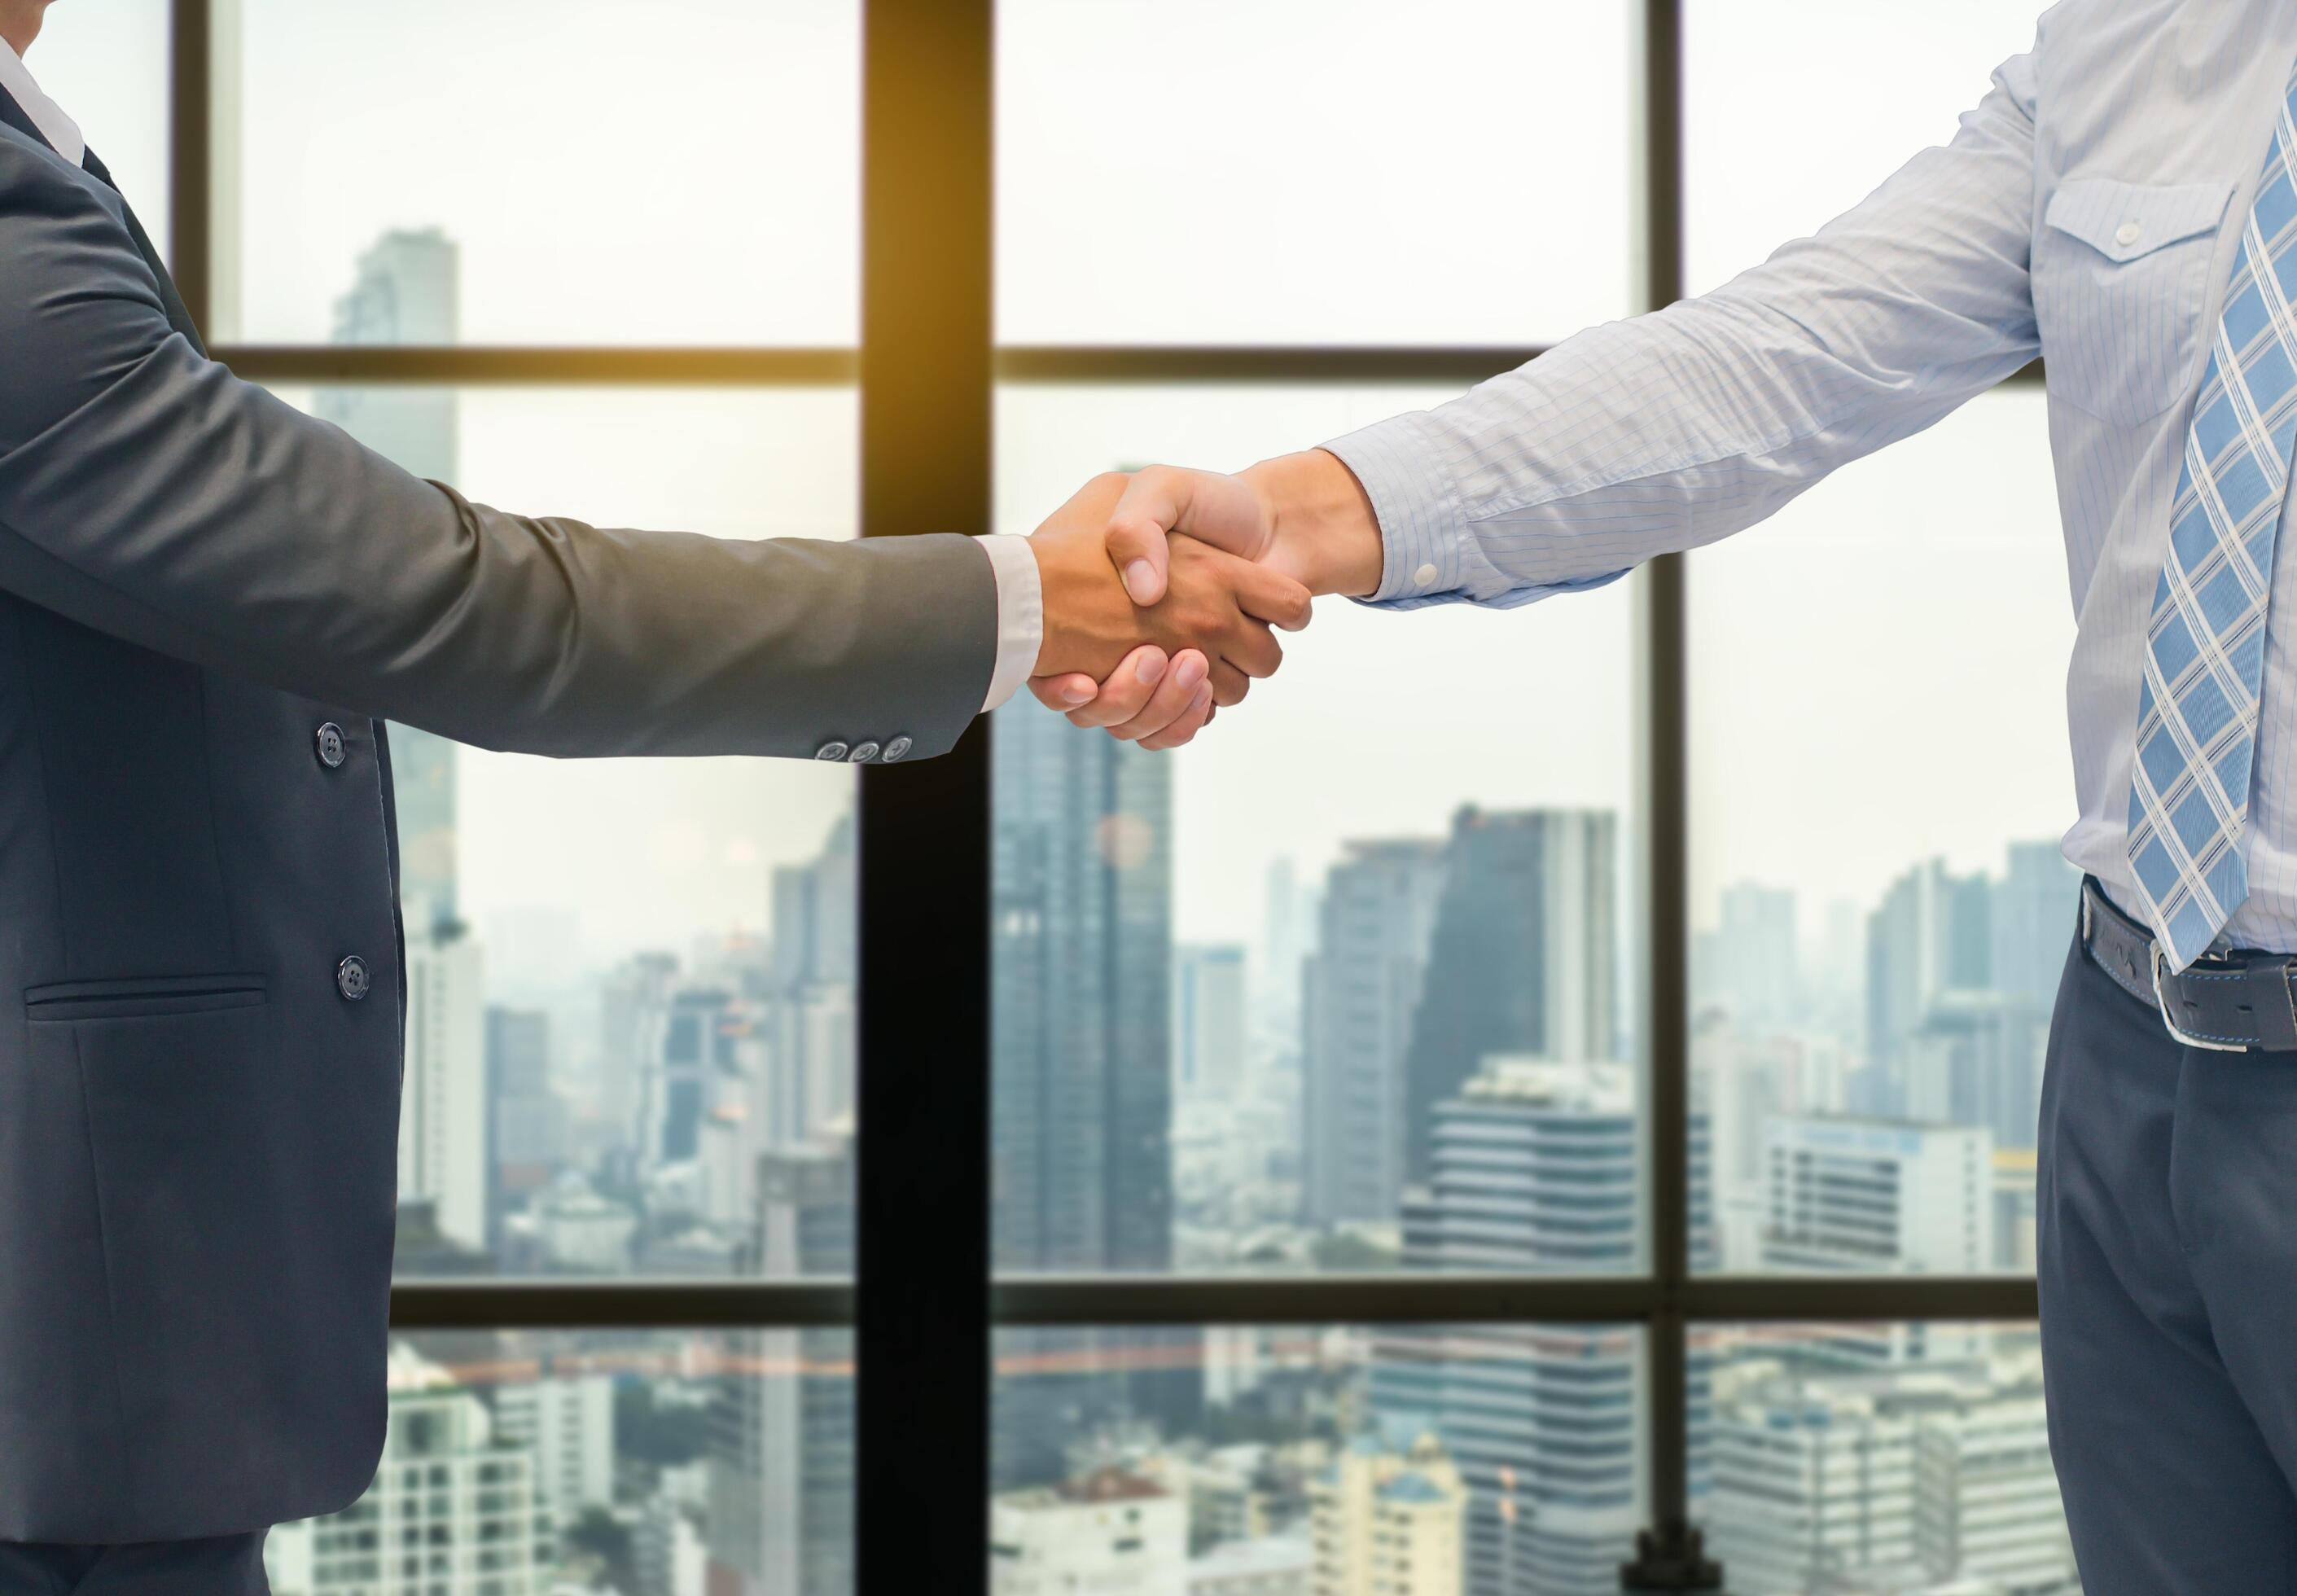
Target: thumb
<point x="1217" y="509"/>
<point x="1065" y="693"/>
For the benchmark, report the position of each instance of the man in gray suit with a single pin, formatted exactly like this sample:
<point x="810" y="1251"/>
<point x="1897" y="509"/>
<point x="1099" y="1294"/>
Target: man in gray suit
<point x="208" y="603"/>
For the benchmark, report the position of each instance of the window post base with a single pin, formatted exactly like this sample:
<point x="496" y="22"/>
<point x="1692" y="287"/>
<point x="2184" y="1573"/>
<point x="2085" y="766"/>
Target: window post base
<point x="1670" y="1558"/>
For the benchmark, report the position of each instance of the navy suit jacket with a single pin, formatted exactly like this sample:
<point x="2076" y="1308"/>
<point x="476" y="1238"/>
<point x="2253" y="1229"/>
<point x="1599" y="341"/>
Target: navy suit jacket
<point x="209" y="602"/>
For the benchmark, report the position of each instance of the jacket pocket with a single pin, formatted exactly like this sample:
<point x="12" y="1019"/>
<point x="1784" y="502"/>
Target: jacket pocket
<point x="140" y="997"/>
<point x="2120" y="274"/>
<point x="201" y="1229"/>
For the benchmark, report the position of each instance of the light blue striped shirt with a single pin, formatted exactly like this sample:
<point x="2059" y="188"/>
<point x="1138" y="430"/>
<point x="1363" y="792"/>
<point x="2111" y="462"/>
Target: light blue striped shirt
<point x="2086" y="211"/>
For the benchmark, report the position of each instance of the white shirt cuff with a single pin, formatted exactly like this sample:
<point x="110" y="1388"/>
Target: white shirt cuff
<point x="1020" y="615"/>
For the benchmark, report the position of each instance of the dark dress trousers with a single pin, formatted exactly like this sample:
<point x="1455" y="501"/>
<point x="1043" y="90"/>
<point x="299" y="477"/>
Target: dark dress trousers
<point x="209" y="601"/>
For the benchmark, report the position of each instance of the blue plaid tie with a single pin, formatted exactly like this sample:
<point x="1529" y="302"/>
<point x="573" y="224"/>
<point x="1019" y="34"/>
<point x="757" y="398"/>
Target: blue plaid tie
<point x="2205" y="643"/>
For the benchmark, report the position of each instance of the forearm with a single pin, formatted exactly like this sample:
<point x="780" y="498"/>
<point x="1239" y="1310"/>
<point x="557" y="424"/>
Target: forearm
<point x="1322" y="530"/>
<point x="1650" y="436"/>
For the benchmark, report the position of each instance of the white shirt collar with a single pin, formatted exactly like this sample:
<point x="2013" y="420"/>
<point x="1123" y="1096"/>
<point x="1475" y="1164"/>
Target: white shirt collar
<point x="46" y="115"/>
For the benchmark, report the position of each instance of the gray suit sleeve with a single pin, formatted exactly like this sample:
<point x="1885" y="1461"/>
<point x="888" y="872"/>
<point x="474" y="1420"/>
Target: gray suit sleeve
<point x="147" y="492"/>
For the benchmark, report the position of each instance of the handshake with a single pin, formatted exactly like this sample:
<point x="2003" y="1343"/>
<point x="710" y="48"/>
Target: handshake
<point x="1149" y="634"/>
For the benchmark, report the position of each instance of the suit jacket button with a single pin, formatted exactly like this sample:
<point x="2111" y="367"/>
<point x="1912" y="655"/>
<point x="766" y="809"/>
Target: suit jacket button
<point x="863" y="752"/>
<point x="897" y="748"/>
<point x="832" y="749"/>
<point x="330" y="741"/>
<point x="352" y="978"/>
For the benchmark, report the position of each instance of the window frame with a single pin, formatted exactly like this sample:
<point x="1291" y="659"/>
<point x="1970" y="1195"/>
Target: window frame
<point x="923" y="1302"/>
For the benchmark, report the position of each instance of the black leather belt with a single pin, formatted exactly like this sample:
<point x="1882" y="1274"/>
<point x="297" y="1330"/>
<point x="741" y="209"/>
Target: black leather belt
<point x="2238" y="1002"/>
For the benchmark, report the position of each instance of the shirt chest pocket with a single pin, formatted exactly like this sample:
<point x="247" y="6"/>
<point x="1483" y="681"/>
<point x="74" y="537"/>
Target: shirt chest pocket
<point x="2120" y="273"/>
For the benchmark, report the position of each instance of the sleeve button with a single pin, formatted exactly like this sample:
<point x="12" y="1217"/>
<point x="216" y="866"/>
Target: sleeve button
<point x="1425" y="577"/>
<point x="831" y="750"/>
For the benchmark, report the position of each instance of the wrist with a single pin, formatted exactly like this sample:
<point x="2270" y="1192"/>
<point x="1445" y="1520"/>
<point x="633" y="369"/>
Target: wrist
<point x="1322" y="531"/>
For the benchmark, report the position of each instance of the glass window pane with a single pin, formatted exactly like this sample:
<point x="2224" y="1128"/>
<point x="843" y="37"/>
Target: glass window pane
<point x="676" y="1461"/>
<point x="640" y="970"/>
<point x="1879" y="909"/>
<point x="1760" y="76"/>
<point x="105" y="63"/>
<point x="688" y="176"/>
<point x="1449" y="1459"/>
<point x="1905" y="1458"/>
<point x="1312" y="171"/>
<point x="1345" y="984"/>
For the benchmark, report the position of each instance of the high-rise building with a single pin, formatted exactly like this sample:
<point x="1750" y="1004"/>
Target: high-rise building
<point x="528" y="1117"/>
<point x="633" y="1008"/>
<point x="566" y="1424"/>
<point x="443" y="1147"/>
<point x="453" y="1510"/>
<point x="1389" y="1524"/>
<point x="1209" y="1020"/>
<point x="1536" y="1169"/>
<point x="1905" y="1480"/>
<point x="781" y="1430"/>
<point x="1110" y="1533"/>
<point x="1756" y="952"/>
<point x="1289" y="940"/>
<point x="1987" y="1504"/>
<point x="1976" y="1059"/>
<point x="1523" y="959"/>
<point x="1081" y="1002"/>
<point x="1932" y="934"/>
<point x="1081" y="1066"/>
<point x="1361" y="990"/>
<point x="408" y="290"/>
<point x="694" y="1043"/>
<point x="1881" y="1197"/>
<point x="810" y="1017"/>
<point x="1811" y="1478"/>
<point x="2033" y="925"/>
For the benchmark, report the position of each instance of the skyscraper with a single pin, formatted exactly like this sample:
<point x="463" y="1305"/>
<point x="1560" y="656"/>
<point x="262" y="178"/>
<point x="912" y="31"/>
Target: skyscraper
<point x="1880" y="1196"/>
<point x="445" y="1156"/>
<point x="1755" y="954"/>
<point x="1209" y="1020"/>
<point x="1080" y="1064"/>
<point x="528" y="1120"/>
<point x="1932" y="934"/>
<point x="2034" y="924"/>
<point x="1524" y="956"/>
<point x="408" y="290"/>
<point x="1361" y="991"/>
<point x="1081" y="1004"/>
<point x="781" y="1427"/>
<point x="1976" y="1059"/>
<point x="811" y="1021"/>
<point x="1535" y="1168"/>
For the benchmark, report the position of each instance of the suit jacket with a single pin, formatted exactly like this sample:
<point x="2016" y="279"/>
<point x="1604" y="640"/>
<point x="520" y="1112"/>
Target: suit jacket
<point x="209" y="602"/>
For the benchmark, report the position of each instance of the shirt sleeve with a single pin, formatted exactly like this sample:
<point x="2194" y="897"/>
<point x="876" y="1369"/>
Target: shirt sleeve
<point x="1670" y="430"/>
<point x="1020" y="615"/>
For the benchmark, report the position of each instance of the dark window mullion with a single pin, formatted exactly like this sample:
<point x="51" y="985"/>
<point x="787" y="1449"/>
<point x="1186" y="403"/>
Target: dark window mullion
<point x="1668" y="1554"/>
<point x="923" y="1338"/>
<point x="191" y="93"/>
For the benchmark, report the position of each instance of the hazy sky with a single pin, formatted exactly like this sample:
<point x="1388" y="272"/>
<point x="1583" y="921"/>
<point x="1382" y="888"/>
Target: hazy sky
<point x="1333" y="171"/>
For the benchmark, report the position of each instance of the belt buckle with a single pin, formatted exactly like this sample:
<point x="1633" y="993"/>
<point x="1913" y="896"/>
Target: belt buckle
<point x="2162" y="1002"/>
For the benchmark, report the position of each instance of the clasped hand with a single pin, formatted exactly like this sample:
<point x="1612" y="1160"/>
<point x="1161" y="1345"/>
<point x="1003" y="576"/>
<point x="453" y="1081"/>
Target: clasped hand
<point x="1207" y="563"/>
<point x="1155" y="672"/>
